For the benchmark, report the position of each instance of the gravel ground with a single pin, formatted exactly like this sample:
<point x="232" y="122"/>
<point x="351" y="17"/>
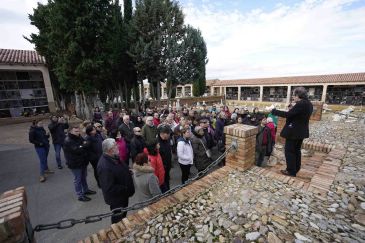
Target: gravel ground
<point x="247" y="207"/>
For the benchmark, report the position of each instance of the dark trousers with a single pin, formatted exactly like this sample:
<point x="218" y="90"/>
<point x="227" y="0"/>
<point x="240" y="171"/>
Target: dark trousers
<point x="94" y="164"/>
<point x="185" y="171"/>
<point x="118" y="218"/>
<point x="167" y="177"/>
<point x="293" y="155"/>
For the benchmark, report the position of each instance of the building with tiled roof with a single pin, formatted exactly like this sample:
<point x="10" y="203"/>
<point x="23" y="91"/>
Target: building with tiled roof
<point x="345" y="88"/>
<point x="25" y="85"/>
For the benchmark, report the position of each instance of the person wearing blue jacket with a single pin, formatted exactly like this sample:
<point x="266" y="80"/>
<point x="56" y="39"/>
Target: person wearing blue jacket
<point x="39" y="137"/>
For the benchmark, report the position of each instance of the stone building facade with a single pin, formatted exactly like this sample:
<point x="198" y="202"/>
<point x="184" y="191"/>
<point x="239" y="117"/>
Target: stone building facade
<point x="25" y="83"/>
<point x="345" y="89"/>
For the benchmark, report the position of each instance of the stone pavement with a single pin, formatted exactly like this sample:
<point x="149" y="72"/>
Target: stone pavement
<point x="326" y="203"/>
<point x="55" y="199"/>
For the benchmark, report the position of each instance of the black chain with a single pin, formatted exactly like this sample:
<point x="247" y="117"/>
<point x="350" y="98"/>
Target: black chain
<point x="68" y="223"/>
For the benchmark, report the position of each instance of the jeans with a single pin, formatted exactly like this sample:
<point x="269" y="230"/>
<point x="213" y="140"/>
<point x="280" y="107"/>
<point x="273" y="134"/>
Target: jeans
<point x="80" y="181"/>
<point x="185" y="171"/>
<point x="57" y="150"/>
<point x="293" y="155"/>
<point x="42" y="153"/>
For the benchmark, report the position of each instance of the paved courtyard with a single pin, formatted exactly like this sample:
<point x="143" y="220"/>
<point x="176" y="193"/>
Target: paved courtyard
<point x="55" y="199"/>
<point x="259" y="204"/>
<point x="263" y="206"/>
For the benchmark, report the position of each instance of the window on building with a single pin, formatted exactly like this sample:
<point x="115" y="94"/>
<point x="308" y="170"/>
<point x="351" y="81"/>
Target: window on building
<point x="216" y="91"/>
<point x="346" y="94"/>
<point x="232" y="93"/>
<point x="275" y="94"/>
<point x="22" y="76"/>
<point x="314" y="92"/>
<point x="187" y="91"/>
<point x="179" y="91"/>
<point x="250" y="93"/>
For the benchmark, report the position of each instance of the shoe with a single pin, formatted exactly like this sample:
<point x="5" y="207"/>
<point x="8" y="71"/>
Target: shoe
<point x="90" y="192"/>
<point x="60" y="167"/>
<point x="42" y="179"/>
<point x="49" y="171"/>
<point x="84" y="199"/>
<point x="285" y="172"/>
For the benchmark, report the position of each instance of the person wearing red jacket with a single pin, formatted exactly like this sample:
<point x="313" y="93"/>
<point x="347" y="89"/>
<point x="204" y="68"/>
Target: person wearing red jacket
<point x="152" y="150"/>
<point x="270" y="124"/>
<point x="156" y="119"/>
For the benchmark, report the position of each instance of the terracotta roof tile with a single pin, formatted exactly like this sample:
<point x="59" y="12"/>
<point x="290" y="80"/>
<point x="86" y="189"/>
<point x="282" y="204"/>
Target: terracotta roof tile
<point x="26" y="57"/>
<point x="329" y="78"/>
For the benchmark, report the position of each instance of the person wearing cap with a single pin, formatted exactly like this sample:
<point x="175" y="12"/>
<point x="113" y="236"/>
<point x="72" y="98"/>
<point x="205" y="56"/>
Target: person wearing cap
<point x="202" y="155"/>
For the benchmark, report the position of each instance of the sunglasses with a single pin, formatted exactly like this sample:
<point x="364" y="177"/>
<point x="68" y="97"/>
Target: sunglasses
<point x="138" y="131"/>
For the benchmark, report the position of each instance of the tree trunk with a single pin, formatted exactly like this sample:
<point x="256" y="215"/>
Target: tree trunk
<point x="121" y="94"/>
<point x="78" y="105"/>
<point x="158" y="94"/>
<point x="87" y="106"/>
<point x="143" y="96"/>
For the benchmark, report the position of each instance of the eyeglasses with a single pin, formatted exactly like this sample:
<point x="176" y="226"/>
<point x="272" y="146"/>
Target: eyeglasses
<point x="138" y="131"/>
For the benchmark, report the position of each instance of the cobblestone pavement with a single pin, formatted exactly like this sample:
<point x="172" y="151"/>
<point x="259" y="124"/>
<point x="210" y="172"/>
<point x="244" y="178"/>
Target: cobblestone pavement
<point x="247" y="206"/>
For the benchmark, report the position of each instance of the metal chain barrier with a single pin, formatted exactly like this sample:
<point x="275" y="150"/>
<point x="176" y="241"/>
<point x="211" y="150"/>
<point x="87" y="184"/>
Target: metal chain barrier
<point x="68" y="223"/>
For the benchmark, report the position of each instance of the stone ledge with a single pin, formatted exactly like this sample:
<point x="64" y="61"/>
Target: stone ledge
<point x="142" y="216"/>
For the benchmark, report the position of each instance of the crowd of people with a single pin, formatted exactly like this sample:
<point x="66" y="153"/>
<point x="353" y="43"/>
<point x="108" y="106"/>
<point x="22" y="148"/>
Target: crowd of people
<point x="132" y="153"/>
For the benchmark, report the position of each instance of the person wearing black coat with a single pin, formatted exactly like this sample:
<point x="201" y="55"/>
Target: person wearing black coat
<point x="295" y="130"/>
<point x="164" y="140"/>
<point x="94" y="149"/>
<point x="57" y="129"/>
<point x="75" y="149"/>
<point x="126" y="129"/>
<point x="137" y="143"/>
<point x="115" y="178"/>
<point x="39" y="137"/>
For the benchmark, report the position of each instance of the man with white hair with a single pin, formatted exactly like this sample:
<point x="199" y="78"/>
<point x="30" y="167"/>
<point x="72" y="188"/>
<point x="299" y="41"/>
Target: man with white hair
<point x="115" y="178"/>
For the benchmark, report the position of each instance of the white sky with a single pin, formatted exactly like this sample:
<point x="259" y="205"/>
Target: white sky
<point x="303" y="38"/>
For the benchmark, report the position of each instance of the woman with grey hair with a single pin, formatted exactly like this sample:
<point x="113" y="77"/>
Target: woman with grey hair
<point x="295" y="130"/>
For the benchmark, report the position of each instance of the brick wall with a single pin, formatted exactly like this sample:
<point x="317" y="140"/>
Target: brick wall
<point x="245" y="136"/>
<point x="317" y="111"/>
<point x="14" y="219"/>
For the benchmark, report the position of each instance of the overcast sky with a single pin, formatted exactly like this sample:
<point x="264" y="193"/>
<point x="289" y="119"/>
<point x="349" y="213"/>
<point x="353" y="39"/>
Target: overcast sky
<point x="251" y="38"/>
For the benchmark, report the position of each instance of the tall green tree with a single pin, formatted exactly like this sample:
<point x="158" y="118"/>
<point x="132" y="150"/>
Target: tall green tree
<point x="155" y="22"/>
<point x="186" y="61"/>
<point x="73" y="36"/>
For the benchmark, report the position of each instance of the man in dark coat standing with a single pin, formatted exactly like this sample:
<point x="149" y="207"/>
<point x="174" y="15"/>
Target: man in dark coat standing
<point x="57" y="129"/>
<point x="137" y="144"/>
<point x="164" y="140"/>
<point x="115" y="178"/>
<point x="75" y="148"/>
<point x="295" y="130"/>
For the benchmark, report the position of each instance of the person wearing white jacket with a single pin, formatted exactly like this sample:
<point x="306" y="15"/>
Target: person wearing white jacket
<point x="185" y="154"/>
